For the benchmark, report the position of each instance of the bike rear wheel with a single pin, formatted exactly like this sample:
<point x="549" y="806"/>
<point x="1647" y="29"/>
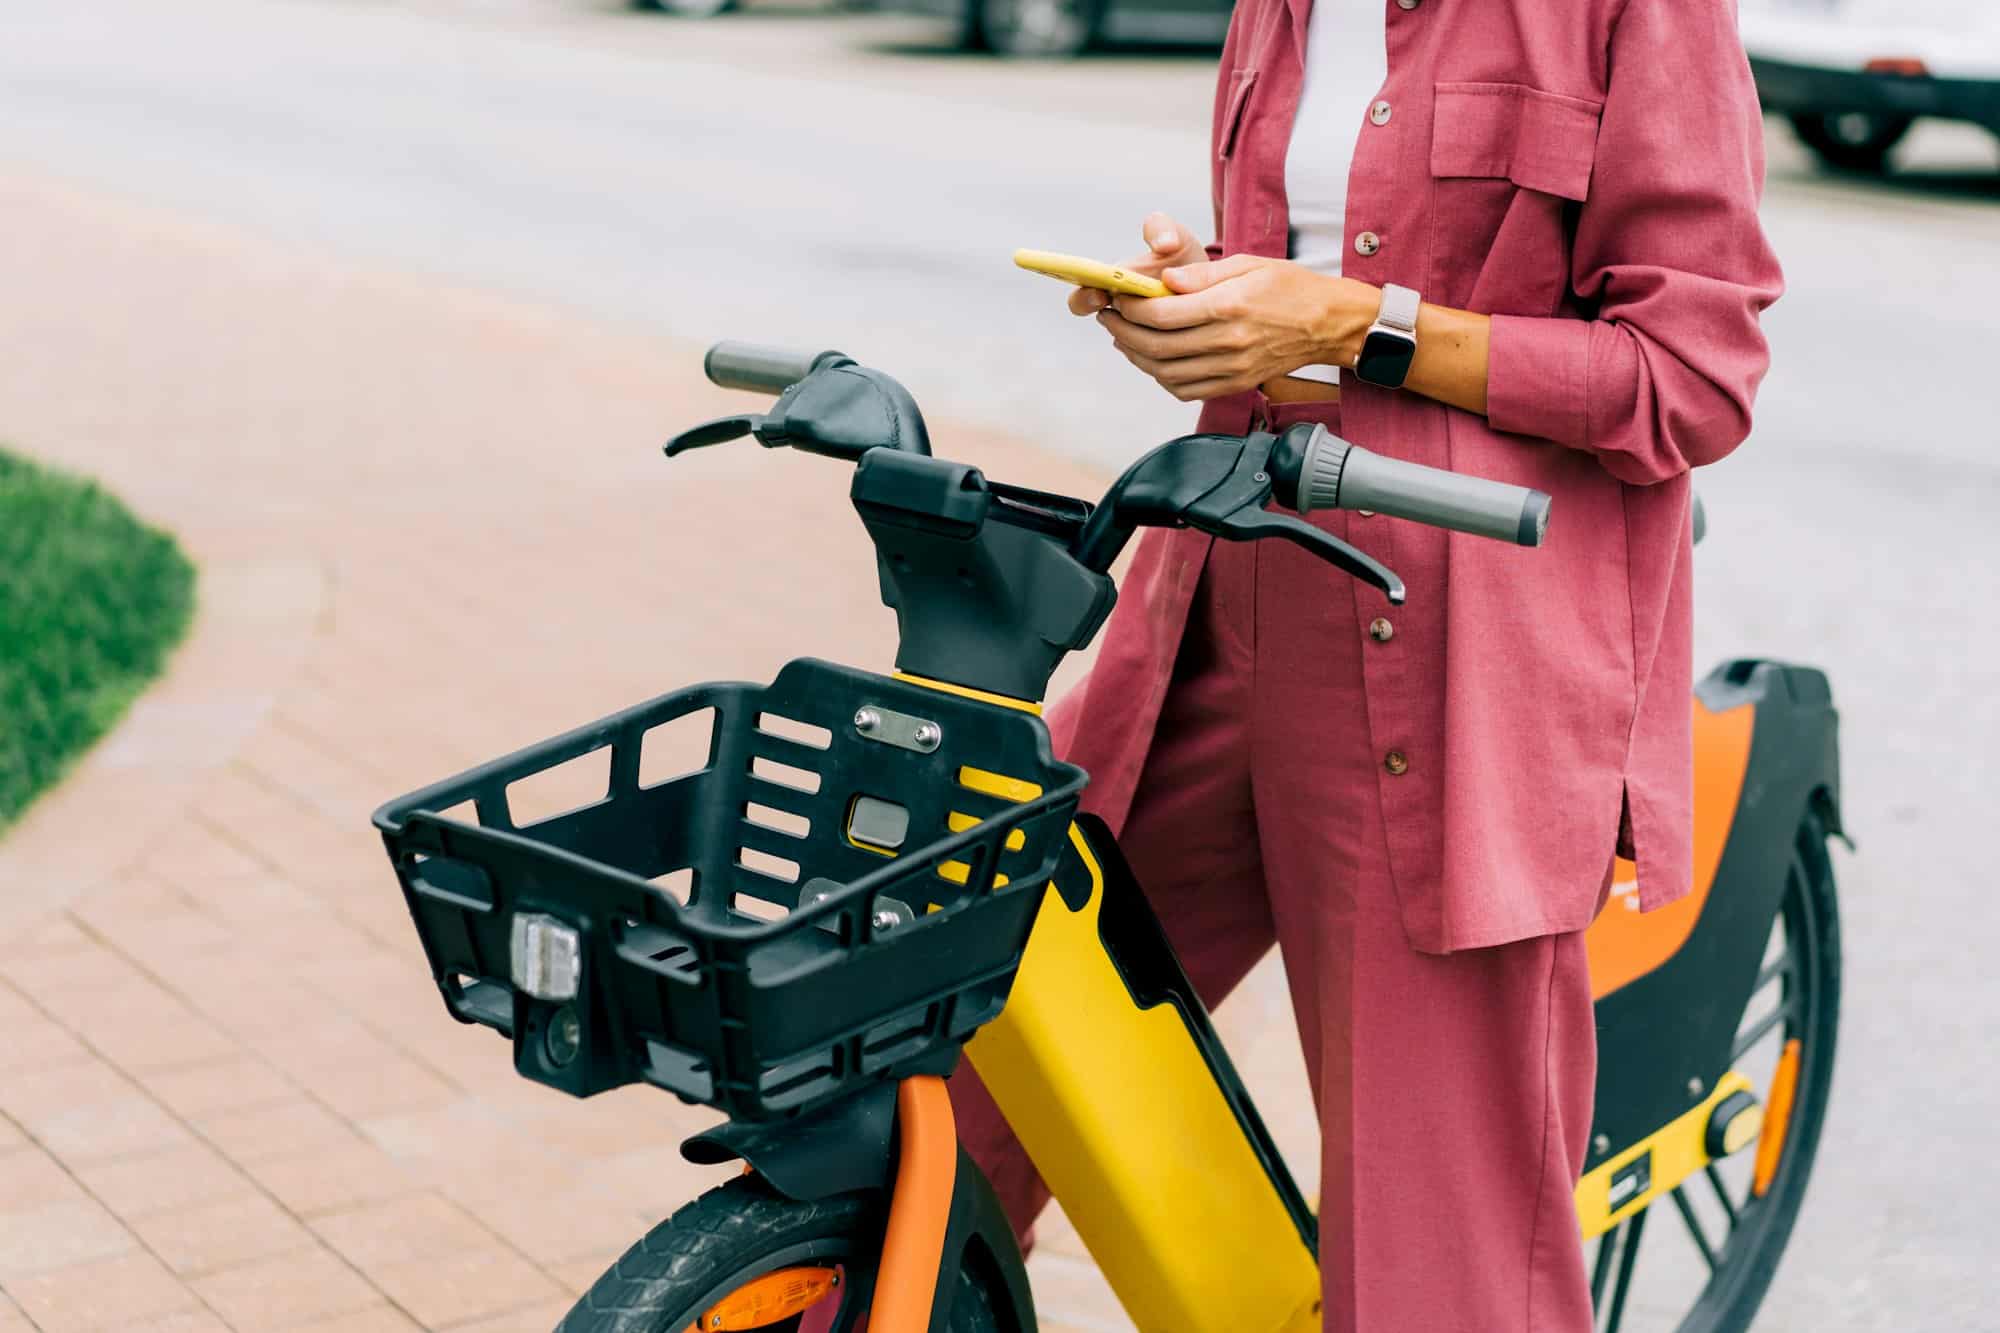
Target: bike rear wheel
<point x="741" y="1232"/>
<point x="1730" y="1235"/>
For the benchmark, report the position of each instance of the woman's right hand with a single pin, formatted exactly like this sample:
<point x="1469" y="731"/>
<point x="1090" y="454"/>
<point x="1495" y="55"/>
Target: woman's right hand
<point x="1168" y="245"/>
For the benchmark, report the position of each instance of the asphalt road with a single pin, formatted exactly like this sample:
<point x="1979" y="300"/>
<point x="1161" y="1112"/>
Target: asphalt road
<point x="844" y="180"/>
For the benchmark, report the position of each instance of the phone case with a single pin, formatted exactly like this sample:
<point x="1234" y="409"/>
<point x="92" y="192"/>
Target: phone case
<point x="1089" y="273"/>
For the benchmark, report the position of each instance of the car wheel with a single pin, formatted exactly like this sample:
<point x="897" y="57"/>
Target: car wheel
<point x="1037" y="29"/>
<point x="686" y="9"/>
<point x="1852" y="140"/>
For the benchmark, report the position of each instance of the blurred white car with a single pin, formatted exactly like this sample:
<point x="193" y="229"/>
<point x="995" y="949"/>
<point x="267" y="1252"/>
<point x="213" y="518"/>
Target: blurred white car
<point x="1853" y="74"/>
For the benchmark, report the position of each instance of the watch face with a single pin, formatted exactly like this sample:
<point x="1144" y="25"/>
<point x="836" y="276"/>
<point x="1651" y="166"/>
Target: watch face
<point x="1385" y="358"/>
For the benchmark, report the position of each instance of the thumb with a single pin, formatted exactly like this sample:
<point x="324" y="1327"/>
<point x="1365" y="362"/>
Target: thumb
<point x="1163" y="234"/>
<point x="1199" y="277"/>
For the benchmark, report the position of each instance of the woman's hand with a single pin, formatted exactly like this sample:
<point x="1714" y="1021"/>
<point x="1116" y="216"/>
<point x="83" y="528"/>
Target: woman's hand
<point x="1168" y="245"/>
<point x="1240" y="322"/>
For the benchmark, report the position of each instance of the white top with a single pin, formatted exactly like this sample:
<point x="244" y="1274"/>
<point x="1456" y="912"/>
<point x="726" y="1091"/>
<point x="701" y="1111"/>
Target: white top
<point x="1347" y="62"/>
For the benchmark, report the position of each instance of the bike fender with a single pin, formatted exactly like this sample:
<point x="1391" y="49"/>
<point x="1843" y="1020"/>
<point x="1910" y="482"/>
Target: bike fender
<point x="850" y="1146"/>
<point x="979" y="1236"/>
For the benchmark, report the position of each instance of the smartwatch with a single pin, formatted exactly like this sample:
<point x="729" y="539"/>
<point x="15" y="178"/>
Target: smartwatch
<point x="1391" y="344"/>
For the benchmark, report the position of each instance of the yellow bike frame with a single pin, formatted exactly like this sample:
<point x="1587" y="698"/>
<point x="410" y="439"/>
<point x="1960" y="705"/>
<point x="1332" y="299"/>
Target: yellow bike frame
<point x="1127" y="1121"/>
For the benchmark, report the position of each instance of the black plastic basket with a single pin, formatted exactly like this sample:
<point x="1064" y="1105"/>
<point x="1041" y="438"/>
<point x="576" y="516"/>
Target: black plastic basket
<point x="886" y="952"/>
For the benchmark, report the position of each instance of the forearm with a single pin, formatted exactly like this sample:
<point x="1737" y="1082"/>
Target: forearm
<point x="1452" y="346"/>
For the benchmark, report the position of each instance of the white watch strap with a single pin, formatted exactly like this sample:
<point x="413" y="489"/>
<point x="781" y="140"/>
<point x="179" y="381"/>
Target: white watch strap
<point x="1399" y="309"/>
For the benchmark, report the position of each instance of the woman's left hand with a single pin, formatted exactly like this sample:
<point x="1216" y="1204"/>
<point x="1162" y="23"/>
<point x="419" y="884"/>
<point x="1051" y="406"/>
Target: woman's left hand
<point x="1238" y="322"/>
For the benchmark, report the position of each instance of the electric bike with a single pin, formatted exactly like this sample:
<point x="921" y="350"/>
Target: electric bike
<point x="871" y="873"/>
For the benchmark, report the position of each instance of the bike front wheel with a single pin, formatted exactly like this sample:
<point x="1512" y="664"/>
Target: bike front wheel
<point x="744" y="1243"/>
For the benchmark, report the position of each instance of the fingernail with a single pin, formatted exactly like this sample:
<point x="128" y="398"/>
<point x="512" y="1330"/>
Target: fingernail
<point x="1167" y="240"/>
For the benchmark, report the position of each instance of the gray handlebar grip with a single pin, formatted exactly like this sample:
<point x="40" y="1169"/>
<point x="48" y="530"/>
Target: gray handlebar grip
<point x="1339" y="475"/>
<point x="758" y="368"/>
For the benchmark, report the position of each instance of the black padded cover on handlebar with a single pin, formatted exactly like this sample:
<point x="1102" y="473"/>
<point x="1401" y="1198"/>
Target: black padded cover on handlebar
<point x="757" y="368"/>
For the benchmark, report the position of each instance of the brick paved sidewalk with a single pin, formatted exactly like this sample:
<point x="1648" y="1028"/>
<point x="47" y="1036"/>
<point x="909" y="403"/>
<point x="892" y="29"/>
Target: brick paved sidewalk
<point x="432" y="526"/>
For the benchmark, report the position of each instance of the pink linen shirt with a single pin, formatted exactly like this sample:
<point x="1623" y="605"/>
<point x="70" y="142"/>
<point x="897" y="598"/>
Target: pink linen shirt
<point x="1588" y="173"/>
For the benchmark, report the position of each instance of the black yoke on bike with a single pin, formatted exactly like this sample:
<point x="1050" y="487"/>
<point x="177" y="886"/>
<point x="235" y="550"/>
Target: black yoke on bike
<point x="984" y="597"/>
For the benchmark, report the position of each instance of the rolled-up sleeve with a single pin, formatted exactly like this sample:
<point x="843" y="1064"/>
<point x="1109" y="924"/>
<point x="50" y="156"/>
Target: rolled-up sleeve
<point x="1669" y="260"/>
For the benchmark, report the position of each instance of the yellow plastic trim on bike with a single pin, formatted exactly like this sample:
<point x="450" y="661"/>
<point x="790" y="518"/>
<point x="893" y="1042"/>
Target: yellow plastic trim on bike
<point x="966" y="691"/>
<point x="1678" y="1151"/>
<point x="1081" y="1074"/>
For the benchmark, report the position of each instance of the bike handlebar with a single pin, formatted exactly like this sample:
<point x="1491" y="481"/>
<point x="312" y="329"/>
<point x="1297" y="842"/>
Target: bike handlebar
<point x="761" y="369"/>
<point x="1333" y="474"/>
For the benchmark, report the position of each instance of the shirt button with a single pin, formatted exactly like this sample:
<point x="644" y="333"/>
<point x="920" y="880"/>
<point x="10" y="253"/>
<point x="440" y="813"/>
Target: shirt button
<point x="1367" y="243"/>
<point x="1365" y="513"/>
<point x="1380" y="630"/>
<point x="1379" y="113"/>
<point x="1409" y="4"/>
<point x="1396" y="763"/>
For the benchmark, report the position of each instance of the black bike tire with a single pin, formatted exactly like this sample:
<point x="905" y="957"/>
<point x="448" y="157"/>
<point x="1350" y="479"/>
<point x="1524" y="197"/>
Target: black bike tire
<point x="1732" y="1299"/>
<point x="737" y="1232"/>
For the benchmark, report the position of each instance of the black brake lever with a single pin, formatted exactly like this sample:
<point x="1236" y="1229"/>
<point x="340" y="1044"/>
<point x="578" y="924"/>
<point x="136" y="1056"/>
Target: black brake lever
<point x="1255" y="523"/>
<point x="1235" y="511"/>
<point x="720" y="431"/>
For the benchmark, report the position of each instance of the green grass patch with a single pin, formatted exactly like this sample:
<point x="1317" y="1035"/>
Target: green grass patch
<point x="91" y="602"/>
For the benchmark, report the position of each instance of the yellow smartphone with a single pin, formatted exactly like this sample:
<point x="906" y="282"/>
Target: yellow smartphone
<point x="1089" y="273"/>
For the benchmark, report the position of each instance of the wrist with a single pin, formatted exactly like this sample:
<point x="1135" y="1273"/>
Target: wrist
<point x="1351" y="309"/>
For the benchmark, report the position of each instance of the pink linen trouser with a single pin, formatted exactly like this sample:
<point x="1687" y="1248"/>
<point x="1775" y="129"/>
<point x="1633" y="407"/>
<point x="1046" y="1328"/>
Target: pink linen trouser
<point x="1454" y="1091"/>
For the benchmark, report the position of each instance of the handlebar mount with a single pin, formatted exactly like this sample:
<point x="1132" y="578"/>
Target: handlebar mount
<point x="993" y="585"/>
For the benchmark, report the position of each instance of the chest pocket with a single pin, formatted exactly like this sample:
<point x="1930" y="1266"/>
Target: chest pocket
<point x="1230" y="110"/>
<point x="1509" y="164"/>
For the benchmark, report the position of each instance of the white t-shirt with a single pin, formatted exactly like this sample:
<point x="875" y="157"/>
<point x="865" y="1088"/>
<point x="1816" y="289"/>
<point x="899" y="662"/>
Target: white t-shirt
<point x="1347" y="62"/>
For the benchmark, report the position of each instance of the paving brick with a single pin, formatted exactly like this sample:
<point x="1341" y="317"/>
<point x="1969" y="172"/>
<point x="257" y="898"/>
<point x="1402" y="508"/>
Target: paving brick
<point x="534" y="1319"/>
<point x="1072" y="1289"/>
<point x="53" y="934"/>
<point x="394" y="1231"/>
<point x="329" y="1179"/>
<point x="135" y="1187"/>
<point x="169" y="929"/>
<point x="452" y="1289"/>
<point x="551" y="1226"/>
<point x="654" y="1179"/>
<point x="195" y="853"/>
<point x="578" y="1275"/>
<point x="40" y="972"/>
<point x="281" y="1129"/>
<point x="235" y="1083"/>
<point x="208" y="1236"/>
<point x="181" y="1321"/>
<point x="374" y="1319"/>
<point x="30" y="1178"/>
<point x="286" y="1290"/>
<point x="461" y="1137"/>
<point x="33" y="1096"/>
<point x="36" y="1042"/>
<point x="137" y="1025"/>
<point x="55" y="1235"/>
<point x="100" y="1130"/>
<point x="252" y="997"/>
<point x="102" y="1295"/>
